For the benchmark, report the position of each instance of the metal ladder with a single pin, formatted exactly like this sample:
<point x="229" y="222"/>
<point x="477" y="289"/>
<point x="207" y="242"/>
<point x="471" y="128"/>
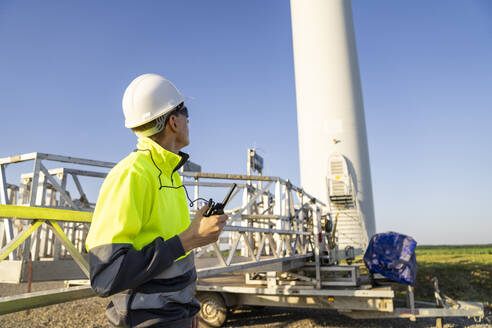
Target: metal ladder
<point x="343" y="204"/>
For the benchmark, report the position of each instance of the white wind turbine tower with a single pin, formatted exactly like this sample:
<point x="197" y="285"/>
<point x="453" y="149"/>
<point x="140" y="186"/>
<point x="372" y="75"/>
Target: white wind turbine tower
<point x="333" y="150"/>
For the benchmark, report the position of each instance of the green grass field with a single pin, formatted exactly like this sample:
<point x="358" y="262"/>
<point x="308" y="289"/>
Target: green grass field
<point x="464" y="272"/>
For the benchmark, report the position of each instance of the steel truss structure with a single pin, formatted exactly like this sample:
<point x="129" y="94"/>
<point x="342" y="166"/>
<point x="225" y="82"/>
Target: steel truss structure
<point x="267" y="230"/>
<point x="265" y="233"/>
<point x="279" y="246"/>
<point x="43" y="256"/>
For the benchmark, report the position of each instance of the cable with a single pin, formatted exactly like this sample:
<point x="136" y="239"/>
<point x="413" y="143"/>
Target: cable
<point x="170" y="187"/>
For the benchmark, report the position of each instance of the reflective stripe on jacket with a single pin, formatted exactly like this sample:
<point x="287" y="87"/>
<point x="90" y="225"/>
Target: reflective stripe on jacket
<point x="133" y="244"/>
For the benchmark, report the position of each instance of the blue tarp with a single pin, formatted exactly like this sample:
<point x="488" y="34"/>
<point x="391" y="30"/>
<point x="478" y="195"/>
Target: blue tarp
<point x="392" y="255"/>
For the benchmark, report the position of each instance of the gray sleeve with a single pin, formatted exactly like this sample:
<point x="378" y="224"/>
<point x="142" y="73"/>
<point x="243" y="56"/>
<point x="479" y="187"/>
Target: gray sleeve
<point x="117" y="267"/>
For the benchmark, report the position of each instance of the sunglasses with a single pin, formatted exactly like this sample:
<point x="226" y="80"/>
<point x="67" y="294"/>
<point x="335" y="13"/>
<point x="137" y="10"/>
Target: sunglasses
<point x="180" y="109"/>
<point x="183" y="111"/>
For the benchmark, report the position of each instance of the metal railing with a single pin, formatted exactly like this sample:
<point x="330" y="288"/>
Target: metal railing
<point x="43" y="188"/>
<point x="36" y="217"/>
<point x="268" y="228"/>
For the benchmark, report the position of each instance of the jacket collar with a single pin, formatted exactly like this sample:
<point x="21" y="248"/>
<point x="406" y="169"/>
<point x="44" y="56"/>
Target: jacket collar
<point x="164" y="159"/>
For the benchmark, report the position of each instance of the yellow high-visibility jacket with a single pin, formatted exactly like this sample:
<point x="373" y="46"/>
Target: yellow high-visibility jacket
<point x="133" y="244"/>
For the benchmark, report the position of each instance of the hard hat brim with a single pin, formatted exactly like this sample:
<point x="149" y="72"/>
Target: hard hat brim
<point x="153" y="117"/>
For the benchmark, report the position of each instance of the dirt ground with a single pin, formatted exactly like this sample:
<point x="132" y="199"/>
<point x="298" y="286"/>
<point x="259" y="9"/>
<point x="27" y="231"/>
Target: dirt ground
<point x="90" y="313"/>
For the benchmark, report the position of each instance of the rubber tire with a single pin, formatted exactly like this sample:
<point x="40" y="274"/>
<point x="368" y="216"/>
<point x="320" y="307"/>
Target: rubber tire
<point x="213" y="312"/>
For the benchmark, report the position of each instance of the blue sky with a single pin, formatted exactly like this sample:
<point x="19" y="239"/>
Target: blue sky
<point x="426" y="77"/>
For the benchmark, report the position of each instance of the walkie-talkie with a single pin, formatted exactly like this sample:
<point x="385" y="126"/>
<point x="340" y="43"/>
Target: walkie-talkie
<point x="218" y="208"/>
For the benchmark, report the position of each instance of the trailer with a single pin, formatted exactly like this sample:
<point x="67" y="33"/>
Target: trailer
<point x="219" y="295"/>
<point x="279" y="248"/>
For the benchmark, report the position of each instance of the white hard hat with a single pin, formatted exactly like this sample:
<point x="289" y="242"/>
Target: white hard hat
<point x="148" y="97"/>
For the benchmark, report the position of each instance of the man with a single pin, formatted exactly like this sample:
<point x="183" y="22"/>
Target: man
<point x="141" y="241"/>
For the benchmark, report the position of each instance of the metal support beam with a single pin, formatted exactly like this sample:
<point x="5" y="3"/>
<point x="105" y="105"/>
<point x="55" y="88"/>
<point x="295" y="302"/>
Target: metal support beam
<point x="317" y="235"/>
<point x="219" y="254"/>
<point x="78" y="258"/>
<point x="252" y="200"/>
<point x="469" y="309"/>
<point x="8" y="228"/>
<point x="33" y="213"/>
<point x="276" y="231"/>
<point x="250" y="178"/>
<point x="23" y="235"/>
<point x="28" y="301"/>
<point x="248" y="266"/>
<point x="26" y="250"/>
<point x="58" y="188"/>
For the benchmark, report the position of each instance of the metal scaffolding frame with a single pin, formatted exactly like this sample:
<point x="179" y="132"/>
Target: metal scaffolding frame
<point x="277" y="244"/>
<point x="41" y="253"/>
<point x="267" y="232"/>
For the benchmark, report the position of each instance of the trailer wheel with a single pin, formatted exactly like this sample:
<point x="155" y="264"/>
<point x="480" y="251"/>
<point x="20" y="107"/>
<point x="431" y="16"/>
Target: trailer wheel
<point x="214" y="310"/>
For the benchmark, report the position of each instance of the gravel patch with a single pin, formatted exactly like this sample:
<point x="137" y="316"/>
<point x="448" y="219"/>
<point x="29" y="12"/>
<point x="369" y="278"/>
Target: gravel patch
<point x="90" y="313"/>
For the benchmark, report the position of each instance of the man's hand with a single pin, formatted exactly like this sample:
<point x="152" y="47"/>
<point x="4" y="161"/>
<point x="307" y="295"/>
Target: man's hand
<point x="202" y="230"/>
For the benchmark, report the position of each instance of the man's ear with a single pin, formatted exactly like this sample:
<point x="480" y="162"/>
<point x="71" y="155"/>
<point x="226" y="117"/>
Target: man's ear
<point x="172" y="123"/>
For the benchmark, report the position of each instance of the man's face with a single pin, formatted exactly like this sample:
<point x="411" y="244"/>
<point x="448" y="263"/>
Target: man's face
<point x="183" y="133"/>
